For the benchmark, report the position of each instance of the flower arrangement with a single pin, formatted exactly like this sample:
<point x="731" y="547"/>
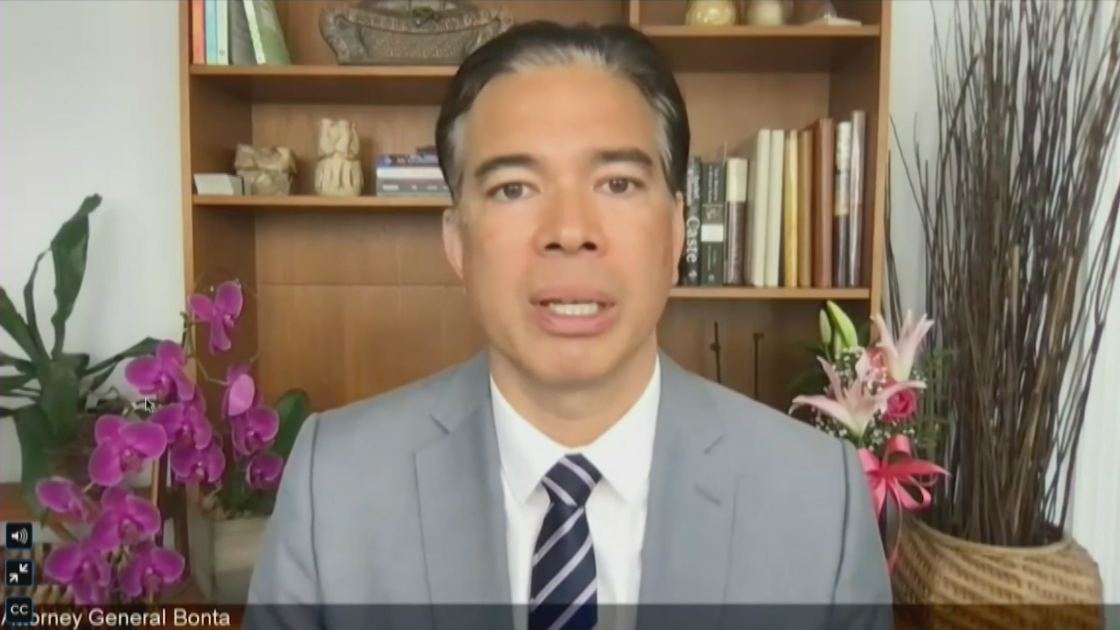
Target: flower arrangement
<point x="236" y="463"/>
<point x="872" y="399"/>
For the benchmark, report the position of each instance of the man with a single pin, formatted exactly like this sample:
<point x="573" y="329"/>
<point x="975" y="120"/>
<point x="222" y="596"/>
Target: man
<point x="571" y="465"/>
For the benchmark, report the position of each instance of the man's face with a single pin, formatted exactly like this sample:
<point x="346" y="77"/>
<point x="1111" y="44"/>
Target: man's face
<point x="568" y="237"/>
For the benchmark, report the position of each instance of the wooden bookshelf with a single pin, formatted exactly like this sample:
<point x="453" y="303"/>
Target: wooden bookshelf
<point x="352" y="297"/>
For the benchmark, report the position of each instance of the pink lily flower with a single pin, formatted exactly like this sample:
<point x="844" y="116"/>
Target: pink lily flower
<point x="854" y="406"/>
<point x="900" y="354"/>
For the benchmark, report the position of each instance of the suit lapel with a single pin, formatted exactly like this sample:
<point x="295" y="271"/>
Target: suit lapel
<point x="687" y="546"/>
<point x="461" y="508"/>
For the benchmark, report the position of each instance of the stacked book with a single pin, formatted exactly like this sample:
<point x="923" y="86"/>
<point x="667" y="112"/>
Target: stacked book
<point x="236" y="32"/>
<point x="786" y="210"/>
<point x="408" y="175"/>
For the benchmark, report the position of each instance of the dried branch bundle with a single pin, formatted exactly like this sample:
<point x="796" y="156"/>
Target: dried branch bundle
<point x="1020" y="272"/>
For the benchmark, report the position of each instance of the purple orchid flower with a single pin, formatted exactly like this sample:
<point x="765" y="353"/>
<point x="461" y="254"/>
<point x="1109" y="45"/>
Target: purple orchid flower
<point x="263" y="471"/>
<point x="66" y="499"/>
<point x="162" y="374"/>
<point x="84" y="569"/>
<point x="150" y="569"/>
<point x="202" y="465"/>
<point x="254" y="430"/>
<point x="122" y="448"/>
<point x="241" y="393"/>
<point x="184" y="423"/>
<point x="125" y="519"/>
<point x="220" y="313"/>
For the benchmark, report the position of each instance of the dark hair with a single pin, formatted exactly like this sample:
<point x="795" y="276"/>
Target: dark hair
<point x="542" y="43"/>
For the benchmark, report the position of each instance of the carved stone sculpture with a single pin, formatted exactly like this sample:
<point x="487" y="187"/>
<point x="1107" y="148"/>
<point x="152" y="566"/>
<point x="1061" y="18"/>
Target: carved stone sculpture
<point x="338" y="172"/>
<point x="266" y="170"/>
<point x="416" y="32"/>
<point x="710" y="13"/>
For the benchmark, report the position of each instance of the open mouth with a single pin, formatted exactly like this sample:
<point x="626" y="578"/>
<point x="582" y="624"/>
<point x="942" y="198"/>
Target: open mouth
<point x="583" y="308"/>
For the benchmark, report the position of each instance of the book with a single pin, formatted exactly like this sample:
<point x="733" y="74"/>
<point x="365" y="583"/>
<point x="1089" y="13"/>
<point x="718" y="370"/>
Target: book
<point x="805" y="208"/>
<point x="855" y="202"/>
<point x="221" y="16"/>
<point x="737" y="168"/>
<point x="824" y="164"/>
<point x="841" y="228"/>
<point x="198" y="32"/>
<point x="690" y="256"/>
<point x="774" y="207"/>
<point x="790" y="213"/>
<point x="211" y="19"/>
<point x="240" y="40"/>
<point x="713" y="219"/>
<point x="758" y="152"/>
<point x="269" y="46"/>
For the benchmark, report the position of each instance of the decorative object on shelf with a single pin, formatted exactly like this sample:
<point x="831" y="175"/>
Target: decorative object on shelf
<point x="218" y="184"/>
<point x="265" y="170"/>
<point x="711" y="13"/>
<point x="54" y="394"/>
<point x="415" y="32"/>
<point x="338" y="172"/>
<point x="871" y="398"/>
<point x="766" y="12"/>
<point x="1025" y="311"/>
<point x="819" y="13"/>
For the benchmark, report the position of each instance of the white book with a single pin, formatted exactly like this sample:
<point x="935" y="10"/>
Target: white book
<point x="758" y="200"/>
<point x="222" y="18"/>
<point x="774" y="208"/>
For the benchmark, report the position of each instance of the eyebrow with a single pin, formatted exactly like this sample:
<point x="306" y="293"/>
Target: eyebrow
<point x="603" y="156"/>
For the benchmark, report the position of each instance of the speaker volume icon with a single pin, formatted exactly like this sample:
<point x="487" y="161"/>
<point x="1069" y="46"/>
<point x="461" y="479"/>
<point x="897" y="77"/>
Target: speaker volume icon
<point x="18" y="536"/>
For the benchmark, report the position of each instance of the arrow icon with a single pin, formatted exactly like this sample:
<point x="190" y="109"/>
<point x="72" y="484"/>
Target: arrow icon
<point x="13" y="578"/>
<point x="20" y="572"/>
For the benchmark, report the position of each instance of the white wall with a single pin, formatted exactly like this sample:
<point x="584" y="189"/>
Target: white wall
<point x="89" y="102"/>
<point x="100" y="113"/>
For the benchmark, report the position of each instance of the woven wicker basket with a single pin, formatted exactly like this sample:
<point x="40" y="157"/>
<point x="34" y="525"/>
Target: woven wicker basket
<point x="948" y="583"/>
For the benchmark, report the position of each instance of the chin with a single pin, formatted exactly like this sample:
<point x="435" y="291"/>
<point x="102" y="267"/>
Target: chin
<point x="573" y="362"/>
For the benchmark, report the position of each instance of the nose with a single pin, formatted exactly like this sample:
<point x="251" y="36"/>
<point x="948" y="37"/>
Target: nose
<point x="570" y="224"/>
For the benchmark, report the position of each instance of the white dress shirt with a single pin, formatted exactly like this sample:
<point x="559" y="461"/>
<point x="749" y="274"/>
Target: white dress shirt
<point x="616" y="509"/>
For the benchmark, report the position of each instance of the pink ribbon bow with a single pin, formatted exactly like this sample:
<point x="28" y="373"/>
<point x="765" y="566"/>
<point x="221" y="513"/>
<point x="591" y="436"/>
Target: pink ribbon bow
<point x="889" y="477"/>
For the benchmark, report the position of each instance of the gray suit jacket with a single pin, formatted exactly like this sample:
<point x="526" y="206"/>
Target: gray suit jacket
<point x="398" y="500"/>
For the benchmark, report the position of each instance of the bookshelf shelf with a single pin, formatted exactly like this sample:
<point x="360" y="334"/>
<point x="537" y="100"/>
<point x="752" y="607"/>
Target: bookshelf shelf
<point x="374" y="85"/>
<point x="364" y="280"/>
<point x="312" y="202"/>
<point x="767" y="293"/>
<point x="754" y="49"/>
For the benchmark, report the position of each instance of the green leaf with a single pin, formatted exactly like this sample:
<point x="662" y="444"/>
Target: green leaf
<point x="810" y="382"/>
<point x="60" y="397"/>
<point x="8" y="383"/>
<point x="22" y="365"/>
<point x="143" y="348"/>
<point x="35" y="442"/>
<point x="29" y="306"/>
<point x="14" y="325"/>
<point x="293" y="407"/>
<point x="69" y="248"/>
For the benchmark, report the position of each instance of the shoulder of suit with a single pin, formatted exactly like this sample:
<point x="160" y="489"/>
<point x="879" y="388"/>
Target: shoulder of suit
<point x="749" y="421"/>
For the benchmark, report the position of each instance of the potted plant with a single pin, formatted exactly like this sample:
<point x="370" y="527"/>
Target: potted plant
<point x="1021" y="261"/>
<point x="56" y="393"/>
<point x="230" y="457"/>
<point x="870" y="395"/>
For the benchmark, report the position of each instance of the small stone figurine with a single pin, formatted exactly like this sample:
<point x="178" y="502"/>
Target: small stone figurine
<point x="338" y="172"/>
<point x="266" y="171"/>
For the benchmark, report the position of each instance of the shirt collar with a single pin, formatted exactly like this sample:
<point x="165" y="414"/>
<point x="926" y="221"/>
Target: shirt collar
<point x="622" y="454"/>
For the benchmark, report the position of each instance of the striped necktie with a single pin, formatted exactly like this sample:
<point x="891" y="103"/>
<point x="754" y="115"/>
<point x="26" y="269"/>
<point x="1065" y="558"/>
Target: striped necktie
<point x="563" y="580"/>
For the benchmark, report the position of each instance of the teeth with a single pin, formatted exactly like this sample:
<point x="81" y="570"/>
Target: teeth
<point x="574" y="309"/>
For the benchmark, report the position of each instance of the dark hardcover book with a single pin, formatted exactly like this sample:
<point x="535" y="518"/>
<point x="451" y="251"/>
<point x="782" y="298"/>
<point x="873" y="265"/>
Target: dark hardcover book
<point x="713" y="223"/>
<point x="690" y="259"/>
<point x="735" y="173"/>
<point x="407" y="159"/>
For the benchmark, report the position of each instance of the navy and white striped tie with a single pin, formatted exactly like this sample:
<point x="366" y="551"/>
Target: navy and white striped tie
<point x="563" y="589"/>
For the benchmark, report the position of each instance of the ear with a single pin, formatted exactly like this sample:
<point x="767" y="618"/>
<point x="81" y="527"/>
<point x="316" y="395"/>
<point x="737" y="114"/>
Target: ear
<point x="453" y="240"/>
<point x="678" y="231"/>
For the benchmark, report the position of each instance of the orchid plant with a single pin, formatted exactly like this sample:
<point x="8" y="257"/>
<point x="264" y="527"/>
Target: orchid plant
<point x="871" y="397"/>
<point x="237" y="462"/>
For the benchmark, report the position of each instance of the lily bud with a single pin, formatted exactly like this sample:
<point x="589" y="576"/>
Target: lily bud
<point x="844" y="327"/>
<point x="826" y="328"/>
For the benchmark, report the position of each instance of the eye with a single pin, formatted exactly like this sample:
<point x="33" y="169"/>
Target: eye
<point x="508" y="192"/>
<point x="622" y="185"/>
